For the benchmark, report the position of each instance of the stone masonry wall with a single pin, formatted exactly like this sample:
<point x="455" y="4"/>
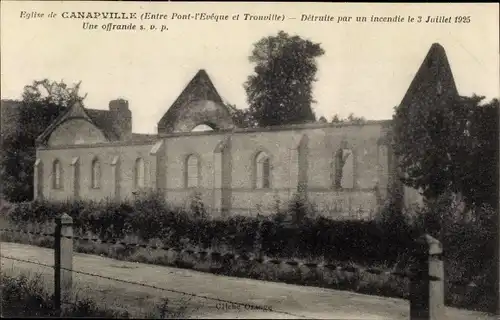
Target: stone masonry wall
<point x="226" y="182"/>
<point x="77" y="131"/>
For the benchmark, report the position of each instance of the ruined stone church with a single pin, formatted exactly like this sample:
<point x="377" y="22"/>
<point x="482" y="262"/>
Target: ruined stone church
<point x="345" y="170"/>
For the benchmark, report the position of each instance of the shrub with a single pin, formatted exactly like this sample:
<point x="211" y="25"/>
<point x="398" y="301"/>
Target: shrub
<point x="150" y="216"/>
<point x="197" y="207"/>
<point x="384" y="240"/>
<point x="469" y="239"/>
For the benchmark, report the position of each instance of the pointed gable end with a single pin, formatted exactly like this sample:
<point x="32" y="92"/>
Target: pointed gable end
<point x="200" y="88"/>
<point x="75" y="112"/>
<point x="434" y="78"/>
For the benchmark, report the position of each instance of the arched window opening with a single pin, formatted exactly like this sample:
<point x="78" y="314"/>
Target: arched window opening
<point x="56" y="174"/>
<point x="96" y="174"/>
<point x="192" y="171"/>
<point x="344" y="169"/>
<point x="139" y="173"/>
<point x="202" y="128"/>
<point x="262" y="171"/>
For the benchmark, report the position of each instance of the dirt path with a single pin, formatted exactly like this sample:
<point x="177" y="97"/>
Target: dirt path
<point x="286" y="301"/>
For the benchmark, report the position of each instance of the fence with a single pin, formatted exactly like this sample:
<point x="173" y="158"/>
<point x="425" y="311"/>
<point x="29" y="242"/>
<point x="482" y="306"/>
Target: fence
<point x="426" y="274"/>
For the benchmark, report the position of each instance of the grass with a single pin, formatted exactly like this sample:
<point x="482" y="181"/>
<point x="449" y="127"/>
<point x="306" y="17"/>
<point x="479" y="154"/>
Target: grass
<point x="24" y="295"/>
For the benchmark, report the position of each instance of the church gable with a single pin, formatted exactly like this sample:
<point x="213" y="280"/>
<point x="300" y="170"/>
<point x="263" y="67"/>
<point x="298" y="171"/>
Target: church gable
<point x="76" y="131"/>
<point x="74" y="126"/>
<point x="199" y="103"/>
<point x="433" y="80"/>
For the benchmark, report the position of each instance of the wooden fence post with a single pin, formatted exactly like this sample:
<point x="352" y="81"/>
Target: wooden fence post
<point x="63" y="260"/>
<point x="427" y="281"/>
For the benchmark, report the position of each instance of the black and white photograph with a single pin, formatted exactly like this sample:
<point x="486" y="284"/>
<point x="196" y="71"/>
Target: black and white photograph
<point x="216" y="160"/>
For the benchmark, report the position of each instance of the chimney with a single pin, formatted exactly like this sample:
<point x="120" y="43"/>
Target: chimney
<point x="122" y="118"/>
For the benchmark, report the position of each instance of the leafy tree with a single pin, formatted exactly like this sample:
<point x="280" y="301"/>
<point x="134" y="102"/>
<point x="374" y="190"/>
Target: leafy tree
<point x="242" y="117"/>
<point x="41" y="104"/>
<point x="449" y="145"/>
<point x="336" y="119"/>
<point x="280" y="90"/>
<point x="476" y="176"/>
<point x="322" y="120"/>
<point x="351" y="119"/>
<point x="50" y="93"/>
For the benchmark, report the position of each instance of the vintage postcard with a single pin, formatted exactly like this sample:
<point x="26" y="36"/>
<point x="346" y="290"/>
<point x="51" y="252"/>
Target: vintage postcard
<point x="249" y="160"/>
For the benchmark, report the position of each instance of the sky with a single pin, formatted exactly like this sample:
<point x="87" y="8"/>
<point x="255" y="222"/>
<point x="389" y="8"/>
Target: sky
<point x="366" y="68"/>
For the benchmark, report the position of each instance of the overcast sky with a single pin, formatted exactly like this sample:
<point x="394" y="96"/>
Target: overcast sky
<point x="366" y="68"/>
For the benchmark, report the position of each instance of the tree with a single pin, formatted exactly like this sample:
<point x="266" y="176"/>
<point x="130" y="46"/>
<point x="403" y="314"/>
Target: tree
<point x="242" y="117"/>
<point x="336" y="119"/>
<point x="280" y="90"/>
<point x="354" y="119"/>
<point x="476" y="176"/>
<point x="41" y="104"/>
<point x="51" y="93"/>
<point x="440" y="146"/>
<point x="350" y="119"/>
<point x="322" y="120"/>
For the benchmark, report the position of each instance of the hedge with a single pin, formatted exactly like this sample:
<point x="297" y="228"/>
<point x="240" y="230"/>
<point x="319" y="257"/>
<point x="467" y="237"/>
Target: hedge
<point x="152" y="217"/>
<point x="386" y="240"/>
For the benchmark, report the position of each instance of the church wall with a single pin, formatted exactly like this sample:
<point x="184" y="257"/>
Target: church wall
<point x="323" y="142"/>
<point x="177" y="150"/>
<point x="282" y="146"/>
<point x="357" y="204"/>
<point x="106" y="154"/>
<point x="243" y="198"/>
<point x="362" y="140"/>
<point x="76" y="131"/>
